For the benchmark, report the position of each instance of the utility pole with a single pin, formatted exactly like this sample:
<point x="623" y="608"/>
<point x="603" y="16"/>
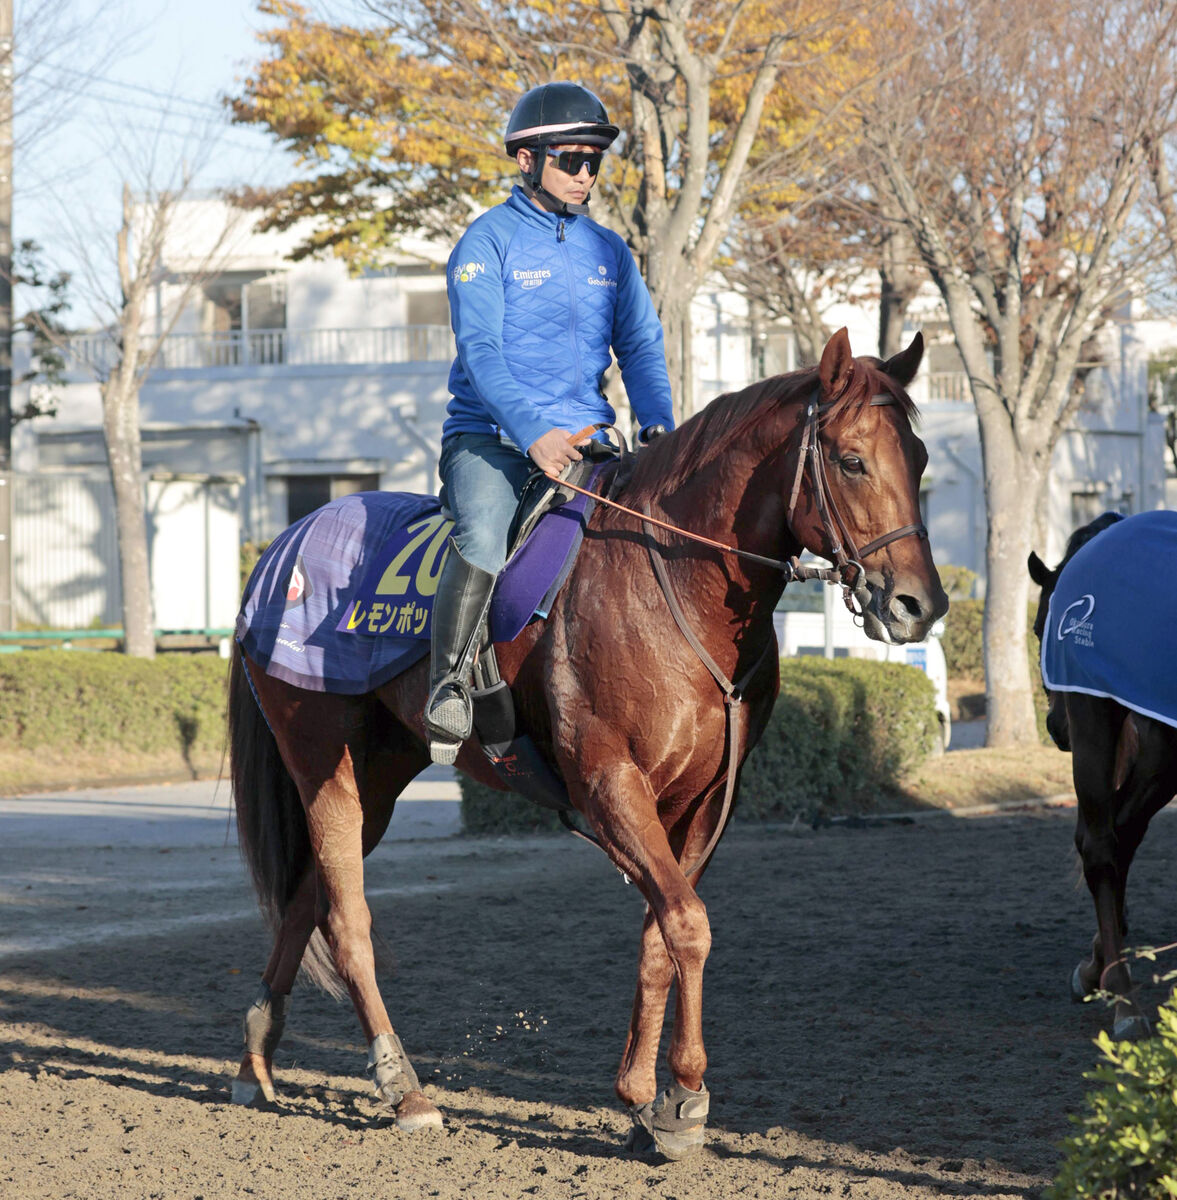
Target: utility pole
<point x="6" y="80"/>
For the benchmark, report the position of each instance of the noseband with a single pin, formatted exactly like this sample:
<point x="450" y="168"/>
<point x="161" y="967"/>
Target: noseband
<point x="847" y="557"/>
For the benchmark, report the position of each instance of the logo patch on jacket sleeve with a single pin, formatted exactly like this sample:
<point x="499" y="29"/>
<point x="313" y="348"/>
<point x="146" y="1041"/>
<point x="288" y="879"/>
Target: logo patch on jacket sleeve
<point x="464" y="272"/>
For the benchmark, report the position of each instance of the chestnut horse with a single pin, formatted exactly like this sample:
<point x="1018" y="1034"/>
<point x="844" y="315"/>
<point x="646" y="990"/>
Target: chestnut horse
<point x="1124" y="766"/>
<point x="613" y="690"/>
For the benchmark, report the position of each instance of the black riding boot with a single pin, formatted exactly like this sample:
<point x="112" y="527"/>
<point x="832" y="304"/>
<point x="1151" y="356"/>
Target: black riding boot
<point x="463" y="597"/>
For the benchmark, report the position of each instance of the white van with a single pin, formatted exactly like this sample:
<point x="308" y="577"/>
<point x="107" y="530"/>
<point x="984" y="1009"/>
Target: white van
<point x="800" y="622"/>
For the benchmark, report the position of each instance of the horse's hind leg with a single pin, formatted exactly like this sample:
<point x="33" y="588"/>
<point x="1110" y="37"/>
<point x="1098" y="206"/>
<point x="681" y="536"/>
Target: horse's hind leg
<point x="1121" y="782"/>
<point x="266" y="1017"/>
<point x="348" y="760"/>
<point x="341" y="833"/>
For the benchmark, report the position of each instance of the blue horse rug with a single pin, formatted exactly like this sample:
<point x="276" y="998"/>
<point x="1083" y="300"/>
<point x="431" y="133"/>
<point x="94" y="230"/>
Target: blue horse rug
<point x="342" y="601"/>
<point x="1109" y="628"/>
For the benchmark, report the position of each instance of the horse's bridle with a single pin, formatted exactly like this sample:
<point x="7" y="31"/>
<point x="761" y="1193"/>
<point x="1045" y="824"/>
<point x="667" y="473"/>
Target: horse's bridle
<point x="847" y="558"/>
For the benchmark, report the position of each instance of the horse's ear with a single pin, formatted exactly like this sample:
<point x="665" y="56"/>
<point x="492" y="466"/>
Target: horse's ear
<point x="1040" y="573"/>
<point x="837" y="362"/>
<point x="903" y="366"/>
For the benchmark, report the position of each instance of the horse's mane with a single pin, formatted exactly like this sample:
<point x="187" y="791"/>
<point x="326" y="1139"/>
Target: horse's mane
<point x="669" y="461"/>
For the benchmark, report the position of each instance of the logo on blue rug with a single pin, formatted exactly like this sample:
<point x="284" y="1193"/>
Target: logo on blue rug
<point x="396" y="597"/>
<point x="298" y="589"/>
<point x="1075" y="621"/>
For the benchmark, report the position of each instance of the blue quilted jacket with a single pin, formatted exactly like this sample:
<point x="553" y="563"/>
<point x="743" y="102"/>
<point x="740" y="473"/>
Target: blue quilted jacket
<point x="536" y="302"/>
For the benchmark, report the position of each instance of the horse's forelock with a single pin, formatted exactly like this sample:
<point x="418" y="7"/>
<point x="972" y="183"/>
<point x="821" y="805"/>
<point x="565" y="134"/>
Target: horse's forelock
<point x="867" y="382"/>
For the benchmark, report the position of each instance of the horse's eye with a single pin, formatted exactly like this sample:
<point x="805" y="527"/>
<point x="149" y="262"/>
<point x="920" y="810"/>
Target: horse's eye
<point x="852" y="465"/>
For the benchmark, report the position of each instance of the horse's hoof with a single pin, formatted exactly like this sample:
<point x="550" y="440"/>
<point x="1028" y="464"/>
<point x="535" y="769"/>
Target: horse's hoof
<point x="245" y="1092"/>
<point x="1131" y="1029"/>
<point x="417" y="1111"/>
<point x="1079" y="993"/>
<point x="640" y="1141"/>
<point x="672" y="1127"/>
<point x="253" y="1076"/>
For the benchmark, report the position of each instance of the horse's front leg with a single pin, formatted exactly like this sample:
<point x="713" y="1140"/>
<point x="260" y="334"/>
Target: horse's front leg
<point x="638" y="1074"/>
<point x="676" y="940"/>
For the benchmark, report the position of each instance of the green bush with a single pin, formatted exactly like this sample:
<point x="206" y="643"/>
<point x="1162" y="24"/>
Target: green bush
<point x="485" y="810"/>
<point x="1125" y="1146"/>
<point x="841" y="734"/>
<point x="840" y="737"/>
<point x="958" y="582"/>
<point x="963" y="644"/>
<point x="54" y="701"/>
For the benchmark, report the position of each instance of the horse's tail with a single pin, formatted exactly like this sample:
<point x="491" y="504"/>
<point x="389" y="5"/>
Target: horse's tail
<point x="271" y="824"/>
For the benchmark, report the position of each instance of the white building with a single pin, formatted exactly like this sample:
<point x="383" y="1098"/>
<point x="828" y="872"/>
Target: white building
<point x="303" y="384"/>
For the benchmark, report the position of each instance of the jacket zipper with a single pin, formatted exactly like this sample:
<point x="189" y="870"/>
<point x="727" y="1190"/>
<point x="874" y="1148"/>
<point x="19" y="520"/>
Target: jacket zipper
<point x="571" y="301"/>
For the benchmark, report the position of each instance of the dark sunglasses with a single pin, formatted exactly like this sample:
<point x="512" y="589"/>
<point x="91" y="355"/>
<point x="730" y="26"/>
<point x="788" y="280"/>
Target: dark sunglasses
<point x="571" y="161"/>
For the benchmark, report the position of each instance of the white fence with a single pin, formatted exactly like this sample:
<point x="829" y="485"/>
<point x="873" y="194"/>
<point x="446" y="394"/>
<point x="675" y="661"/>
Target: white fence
<point x="65" y="572"/>
<point x="277" y="347"/>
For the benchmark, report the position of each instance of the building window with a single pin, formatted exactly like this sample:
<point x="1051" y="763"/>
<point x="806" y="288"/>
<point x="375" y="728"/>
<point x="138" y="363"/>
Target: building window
<point x="305" y="493"/>
<point x="246" y="318"/>
<point x="1086" y="505"/>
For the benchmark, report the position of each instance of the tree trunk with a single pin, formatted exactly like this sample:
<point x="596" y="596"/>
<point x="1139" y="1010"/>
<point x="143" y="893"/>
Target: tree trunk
<point x="1014" y="489"/>
<point x="893" y="302"/>
<point x="899" y="284"/>
<point x="675" y="314"/>
<point x="120" y="420"/>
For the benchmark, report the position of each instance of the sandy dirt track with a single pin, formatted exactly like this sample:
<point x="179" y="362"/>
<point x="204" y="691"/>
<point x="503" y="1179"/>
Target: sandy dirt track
<point x="886" y="1015"/>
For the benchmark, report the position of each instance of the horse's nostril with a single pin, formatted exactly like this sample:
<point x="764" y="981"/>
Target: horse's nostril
<point x="907" y="606"/>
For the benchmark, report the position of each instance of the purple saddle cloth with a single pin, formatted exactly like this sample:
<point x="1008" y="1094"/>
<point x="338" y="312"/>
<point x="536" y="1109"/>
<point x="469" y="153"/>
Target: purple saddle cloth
<point x="1109" y="629"/>
<point x="342" y="601"/>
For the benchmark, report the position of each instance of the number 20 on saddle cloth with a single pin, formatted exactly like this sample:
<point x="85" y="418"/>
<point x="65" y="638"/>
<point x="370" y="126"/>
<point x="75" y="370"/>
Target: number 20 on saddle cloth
<point x="342" y="602"/>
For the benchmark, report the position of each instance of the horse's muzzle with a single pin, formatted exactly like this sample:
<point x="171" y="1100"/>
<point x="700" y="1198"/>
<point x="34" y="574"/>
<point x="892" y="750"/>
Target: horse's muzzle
<point x="895" y="616"/>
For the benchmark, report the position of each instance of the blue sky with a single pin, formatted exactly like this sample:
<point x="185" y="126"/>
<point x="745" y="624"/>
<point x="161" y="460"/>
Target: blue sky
<point x="111" y="84"/>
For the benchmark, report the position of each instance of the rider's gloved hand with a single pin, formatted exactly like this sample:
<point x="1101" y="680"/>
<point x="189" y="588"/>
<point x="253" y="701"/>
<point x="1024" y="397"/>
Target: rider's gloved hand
<point x="647" y="435"/>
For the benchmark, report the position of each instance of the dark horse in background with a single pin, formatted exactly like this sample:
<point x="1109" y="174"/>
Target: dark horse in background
<point x="1124" y="761"/>
<point x="613" y="692"/>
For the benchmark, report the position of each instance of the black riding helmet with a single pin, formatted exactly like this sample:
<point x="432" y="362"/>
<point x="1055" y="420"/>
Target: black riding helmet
<point x="554" y="114"/>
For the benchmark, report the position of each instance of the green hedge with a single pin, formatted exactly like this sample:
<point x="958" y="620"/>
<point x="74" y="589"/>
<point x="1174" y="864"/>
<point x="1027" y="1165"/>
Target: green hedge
<point x="57" y="702"/>
<point x="841" y="735"/>
<point x="963" y="644"/>
<point x="964" y="654"/>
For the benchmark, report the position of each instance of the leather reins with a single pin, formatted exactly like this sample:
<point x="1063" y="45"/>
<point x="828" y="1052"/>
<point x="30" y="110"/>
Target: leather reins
<point x="846" y="557"/>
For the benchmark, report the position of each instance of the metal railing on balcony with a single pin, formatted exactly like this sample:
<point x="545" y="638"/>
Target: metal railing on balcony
<point x="279" y="347"/>
<point x="949" y="385"/>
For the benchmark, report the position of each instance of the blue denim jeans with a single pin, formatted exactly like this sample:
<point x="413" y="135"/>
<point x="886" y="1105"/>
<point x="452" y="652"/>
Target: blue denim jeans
<point x="482" y="479"/>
